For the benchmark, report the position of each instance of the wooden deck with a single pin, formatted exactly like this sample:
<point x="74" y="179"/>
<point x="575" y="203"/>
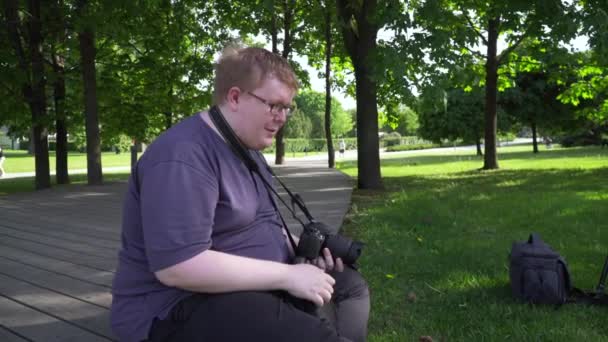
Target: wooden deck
<point x="58" y="252"/>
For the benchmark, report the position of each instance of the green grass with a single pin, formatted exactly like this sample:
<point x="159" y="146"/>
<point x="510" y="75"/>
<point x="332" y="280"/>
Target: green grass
<point x="20" y="161"/>
<point x="26" y="184"/>
<point x="438" y="239"/>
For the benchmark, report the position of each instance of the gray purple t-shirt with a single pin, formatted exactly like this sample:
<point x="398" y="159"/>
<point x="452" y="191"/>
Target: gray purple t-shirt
<point x="194" y="194"/>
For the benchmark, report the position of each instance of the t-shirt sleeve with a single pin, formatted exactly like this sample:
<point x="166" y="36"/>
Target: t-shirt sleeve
<point x="177" y="207"/>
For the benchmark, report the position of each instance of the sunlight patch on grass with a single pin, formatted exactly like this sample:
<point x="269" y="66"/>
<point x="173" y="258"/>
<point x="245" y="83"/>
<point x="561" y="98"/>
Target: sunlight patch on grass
<point x="510" y="183"/>
<point x="594" y="196"/>
<point x="466" y="281"/>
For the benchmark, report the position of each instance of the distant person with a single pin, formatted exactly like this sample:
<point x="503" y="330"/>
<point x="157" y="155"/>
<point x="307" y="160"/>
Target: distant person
<point x="548" y="142"/>
<point x="2" y="158"/>
<point x="342" y="147"/>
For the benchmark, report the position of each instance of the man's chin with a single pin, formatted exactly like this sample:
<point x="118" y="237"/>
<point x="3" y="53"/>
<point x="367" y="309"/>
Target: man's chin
<point x="261" y="145"/>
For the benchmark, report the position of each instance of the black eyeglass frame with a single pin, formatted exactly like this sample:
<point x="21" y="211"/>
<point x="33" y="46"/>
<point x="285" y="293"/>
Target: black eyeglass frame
<point x="275" y="108"/>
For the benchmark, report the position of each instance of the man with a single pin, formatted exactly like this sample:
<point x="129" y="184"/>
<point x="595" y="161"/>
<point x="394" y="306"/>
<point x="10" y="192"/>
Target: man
<point x="342" y="147"/>
<point x="204" y="255"/>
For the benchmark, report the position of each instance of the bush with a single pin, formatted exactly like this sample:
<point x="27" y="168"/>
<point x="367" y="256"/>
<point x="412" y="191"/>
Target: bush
<point x="579" y="140"/>
<point x="311" y="145"/>
<point x="390" y="139"/>
<point x="120" y="143"/>
<point x="398" y="148"/>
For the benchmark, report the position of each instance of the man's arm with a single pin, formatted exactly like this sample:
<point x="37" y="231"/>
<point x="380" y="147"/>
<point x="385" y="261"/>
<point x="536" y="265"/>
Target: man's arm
<point x="217" y="272"/>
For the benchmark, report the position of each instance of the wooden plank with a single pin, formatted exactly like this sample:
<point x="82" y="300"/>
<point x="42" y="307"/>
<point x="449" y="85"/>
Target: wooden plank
<point x="72" y="246"/>
<point x="68" y="286"/>
<point x="70" y="222"/>
<point x="61" y="234"/>
<point x="88" y="317"/>
<point x="40" y="327"/>
<point x="102" y="264"/>
<point x="7" y="336"/>
<point x="94" y="276"/>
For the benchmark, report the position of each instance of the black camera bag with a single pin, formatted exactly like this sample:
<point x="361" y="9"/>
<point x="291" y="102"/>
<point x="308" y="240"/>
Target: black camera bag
<point x="538" y="274"/>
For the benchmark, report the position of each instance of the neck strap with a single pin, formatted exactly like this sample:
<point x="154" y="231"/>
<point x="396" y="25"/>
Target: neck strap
<point x="239" y="149"/>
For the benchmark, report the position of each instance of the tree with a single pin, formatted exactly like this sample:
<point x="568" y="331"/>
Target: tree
<point x="453" y="114"/>
<point x="299" y="125"/>
<point x="311" y="104"/>
<point x="457" y="27"/>
<point x="86" y="37"/>
<point x="58" y="32"/>
<point x="404" y="120"/>
<point x="32" y="78"/>
<point x="533" y="101"/>
<point x="359" y="23"/>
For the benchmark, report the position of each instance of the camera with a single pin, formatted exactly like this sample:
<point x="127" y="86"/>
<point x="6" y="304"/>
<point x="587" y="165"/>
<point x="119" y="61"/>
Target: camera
<point x="316" y="236"/>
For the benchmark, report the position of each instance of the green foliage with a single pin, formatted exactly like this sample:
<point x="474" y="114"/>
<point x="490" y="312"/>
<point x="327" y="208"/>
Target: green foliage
<point x="401" y="119"/>
<point x="311" y="105"/>
<point x="589" y="93"/>
<point x="534" y="102"/>
<point x="456" y="114"/>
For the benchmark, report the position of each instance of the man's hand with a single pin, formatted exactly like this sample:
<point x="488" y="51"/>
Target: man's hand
<point x="310" y="283"/>
<point x="326" y="262"/>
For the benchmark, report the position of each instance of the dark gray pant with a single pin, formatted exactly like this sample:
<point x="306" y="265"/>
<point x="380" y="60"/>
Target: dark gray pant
<point x="269" y="316"/>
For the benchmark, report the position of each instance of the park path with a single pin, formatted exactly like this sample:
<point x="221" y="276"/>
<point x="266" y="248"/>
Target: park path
<point x="58" y="251"/>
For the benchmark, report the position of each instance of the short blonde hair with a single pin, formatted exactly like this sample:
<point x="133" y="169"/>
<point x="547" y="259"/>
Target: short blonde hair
<point x="246" y="68"/>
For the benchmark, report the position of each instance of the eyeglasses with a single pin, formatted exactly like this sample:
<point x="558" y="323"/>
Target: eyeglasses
<point x="275" y="108"/>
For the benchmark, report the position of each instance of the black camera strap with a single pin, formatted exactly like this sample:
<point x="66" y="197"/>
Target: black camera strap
<point x="239" y="149"/>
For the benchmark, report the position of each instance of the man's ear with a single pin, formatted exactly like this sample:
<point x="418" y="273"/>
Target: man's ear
<point x="233" y="98"/>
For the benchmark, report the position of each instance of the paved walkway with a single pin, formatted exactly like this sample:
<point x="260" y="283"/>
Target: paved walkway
<point x="58" y="251"/>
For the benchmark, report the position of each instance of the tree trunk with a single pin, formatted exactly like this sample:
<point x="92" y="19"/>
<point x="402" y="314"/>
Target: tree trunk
<point x="30" y="147"/>
<point x="58" y="32"/>
<point x="331" y="155"/>
<point x="133" y="154"/>
<point x="169" y="112"/>
<point x="87" y="60"/>
<point x="38" y="102"/>
<point x="534" y="137"/>
<point x="368" y="155"/>
<point x="288" y="10"/>
<point x="33" y="86"/>
<point x="490" y="158"/>
<point x="61" y="145"/>
<point x="361" y="44"/>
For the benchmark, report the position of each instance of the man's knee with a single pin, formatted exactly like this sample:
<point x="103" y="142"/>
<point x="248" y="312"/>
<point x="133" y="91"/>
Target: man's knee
<point x="350" y="283"/>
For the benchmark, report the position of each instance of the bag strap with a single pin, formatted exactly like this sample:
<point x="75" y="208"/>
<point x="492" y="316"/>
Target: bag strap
<point x="535" y="239"/>
<point x="587" y="297"/>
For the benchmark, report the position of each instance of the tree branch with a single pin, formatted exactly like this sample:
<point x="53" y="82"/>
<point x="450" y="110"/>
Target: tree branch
<point x="466" y="16"/>
<point x="510" y="49"/>
<point x="475" y="53"/>
<point x="345" y="15"/>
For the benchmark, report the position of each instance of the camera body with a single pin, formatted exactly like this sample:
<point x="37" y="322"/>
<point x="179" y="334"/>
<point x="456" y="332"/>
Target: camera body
<point x="316" y="236"/>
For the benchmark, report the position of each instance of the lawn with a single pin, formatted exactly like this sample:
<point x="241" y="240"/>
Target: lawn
<point x="20" y="161"/>
<point x="438" y="239"/>
<point x="25" y="184"/>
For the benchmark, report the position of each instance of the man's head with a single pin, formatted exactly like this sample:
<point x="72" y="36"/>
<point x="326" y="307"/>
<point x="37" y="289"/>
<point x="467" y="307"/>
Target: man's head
<point x="254" y="88"/>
